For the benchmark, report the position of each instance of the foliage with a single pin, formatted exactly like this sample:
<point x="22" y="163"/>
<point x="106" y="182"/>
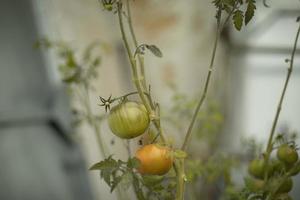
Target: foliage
<point x="235" y="7"/>
<point x="269" y="178"/>
<point x="77" y="71"/>
<point x="152" y="187"/>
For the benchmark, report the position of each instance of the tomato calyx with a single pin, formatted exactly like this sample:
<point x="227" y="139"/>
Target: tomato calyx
<point x="106" y="102"/>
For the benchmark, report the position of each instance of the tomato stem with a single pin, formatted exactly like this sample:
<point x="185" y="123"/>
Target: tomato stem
<point x="289" y="72"/>
<point x="203" y="96"/>
<point x="136" y="77"/>
<point x="140" y="58"/>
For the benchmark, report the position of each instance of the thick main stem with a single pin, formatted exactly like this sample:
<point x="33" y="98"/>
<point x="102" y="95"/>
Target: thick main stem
<point x="290" y="70"/>
<point x="180" y="180"/>
<point x="140" y="58"/>
<point x="136" y="78"/>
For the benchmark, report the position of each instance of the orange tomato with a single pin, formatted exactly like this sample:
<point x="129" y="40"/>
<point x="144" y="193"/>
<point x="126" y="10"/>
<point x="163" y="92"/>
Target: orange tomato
<point x="155" y="159"/>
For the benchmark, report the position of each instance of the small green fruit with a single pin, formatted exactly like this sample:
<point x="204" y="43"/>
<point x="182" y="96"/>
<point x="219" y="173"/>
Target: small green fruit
<point x="287" y="154"/>
<point x="285" y="187"/>
<point x="256" y="168"/>
<point x="254" y="185"/>
<point x="284" y="196"/>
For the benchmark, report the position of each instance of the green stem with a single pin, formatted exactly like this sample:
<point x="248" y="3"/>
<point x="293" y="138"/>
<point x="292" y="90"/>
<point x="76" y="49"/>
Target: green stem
<point x="136" y="77"/>
<point x="180" y="179"/>
<point x="132" y="61"/>
<point x="203" y="96"/>
<point x="140" y="58"/>
<point x="289" y="72"/>
<point x="93" y="123"/>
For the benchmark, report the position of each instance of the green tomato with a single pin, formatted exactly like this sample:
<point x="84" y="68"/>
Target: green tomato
<point x="285" y="187"/>
<point x="284" y="196"/>
<point x="254" y="185"/>
<point x="256" y="168"/>
<point x="287" y="154"/>
<point x="128" y="120"/>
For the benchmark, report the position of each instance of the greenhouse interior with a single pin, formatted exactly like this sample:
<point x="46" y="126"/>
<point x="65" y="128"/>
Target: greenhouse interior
<point x="149" y="100"/>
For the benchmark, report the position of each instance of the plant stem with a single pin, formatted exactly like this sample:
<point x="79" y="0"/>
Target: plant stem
<point x="93" y="123"/>
<point x="136" y="77"/>
<point x="135" y="74"/>
<point x="203" y="96"/>
<point x="180" y="179"/>
<point x="140" y="58"/>
<point x="289" y="72"/>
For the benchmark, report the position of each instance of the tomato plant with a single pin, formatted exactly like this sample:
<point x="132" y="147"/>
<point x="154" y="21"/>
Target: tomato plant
<point x="159" y="169"/>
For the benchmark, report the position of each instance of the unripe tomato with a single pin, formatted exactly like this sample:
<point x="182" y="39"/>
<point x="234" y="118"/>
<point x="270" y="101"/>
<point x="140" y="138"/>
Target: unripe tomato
<point x="155" y="159"/>
<point x="256" y="168"/>
<point x="284" y="196"/>
<point x="129" y="119"/>
<point x="255" y="185"/>
<point x="287" y="154"/>
<point x="293" y="171"/>
<point x="285" y="187"/>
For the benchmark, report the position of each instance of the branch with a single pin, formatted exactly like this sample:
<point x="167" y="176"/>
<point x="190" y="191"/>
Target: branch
<point x="290" y="70"/>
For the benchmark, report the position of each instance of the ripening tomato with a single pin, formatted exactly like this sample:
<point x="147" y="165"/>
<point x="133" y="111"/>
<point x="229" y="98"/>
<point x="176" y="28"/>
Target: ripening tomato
<point x="287" y="154"/>
<point x="128" y="120"/>
<point x="155" y="159"/>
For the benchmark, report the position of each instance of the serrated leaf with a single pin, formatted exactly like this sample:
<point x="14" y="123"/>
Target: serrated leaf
<point x="250" y="11"/>
<point x="238" y="19"/>
<point x="155" y="50"/>
<point x="105" y="164"/>
<point x="138" y="190"/>
<point x="126" y="180"/>
<point x="115" y="183"/>
<point x="229" y="2"/>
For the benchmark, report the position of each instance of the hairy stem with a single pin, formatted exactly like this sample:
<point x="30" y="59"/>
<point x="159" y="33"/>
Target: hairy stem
<point x="203" y="96"/>
<point x="180" y="179"/>
<point x="136" y="78"/>
<point x="140" y="58"/>
<point x="289" y="72"/>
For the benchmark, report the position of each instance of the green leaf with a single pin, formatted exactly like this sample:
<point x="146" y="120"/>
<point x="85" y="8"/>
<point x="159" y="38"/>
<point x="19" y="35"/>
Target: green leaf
<point x="126" y="181"/>
<point x="133" y="163"/>
<point x="155" y="50"/>
<point x="238" y="19"/>
<point x="250" y="11"/>
<point x="137" y="188"/>
<point x="229" y="2"/>
<point x="115" y="182"/>
<point x="105" y="164"/>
